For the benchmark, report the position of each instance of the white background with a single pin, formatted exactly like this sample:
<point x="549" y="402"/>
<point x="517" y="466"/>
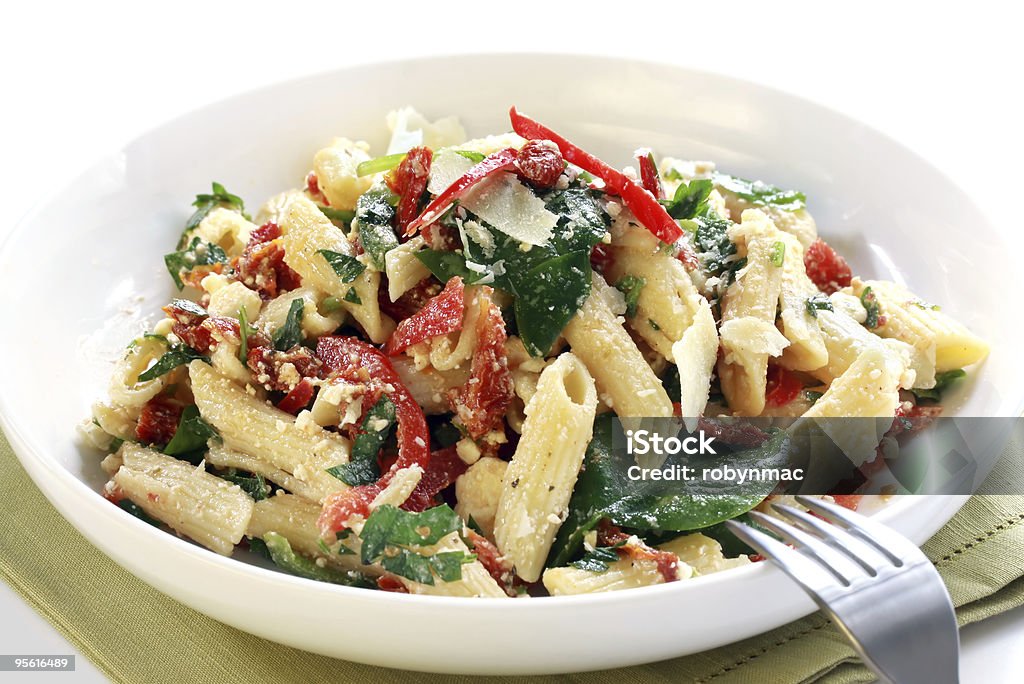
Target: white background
<point x="80" y="80"/>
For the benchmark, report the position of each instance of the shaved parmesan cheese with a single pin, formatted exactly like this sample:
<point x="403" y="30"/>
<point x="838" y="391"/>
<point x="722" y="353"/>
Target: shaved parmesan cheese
<point x="480" y="236"/>
<point x="695" y="354"/>
<point x="510" y="207"/>
<point x="493" y="143"/>
<point x="446" y="168"/>
<point x="410" y="129"/>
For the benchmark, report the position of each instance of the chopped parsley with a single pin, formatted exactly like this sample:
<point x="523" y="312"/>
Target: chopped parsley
<point x="198" y="253"/>
<point x="690" y="199"/>
<point x="352" y="297"/>
<point x="597" y="560"/>
<point x="244" y="331"/>
<point x="252" y="484"/>
<point x="375" y="212"/>
<point x="391" y="536"/>
<point x="631" y="286"/>
<point x="290" y="334"/>
<point x="819" y="302"/>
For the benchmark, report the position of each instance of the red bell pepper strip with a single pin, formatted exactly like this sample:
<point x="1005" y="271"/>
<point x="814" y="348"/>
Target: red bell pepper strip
<point x="358" y="362"/>
<point x="649" y="173"/>
<point x="441" y="315"/>
<point x="643" y="204"/>
<point x="410" y="181"/>
<point x="499" y="161"/>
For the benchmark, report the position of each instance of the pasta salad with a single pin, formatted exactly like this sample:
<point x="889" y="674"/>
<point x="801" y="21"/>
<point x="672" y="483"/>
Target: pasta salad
<point x="394" y="376"/>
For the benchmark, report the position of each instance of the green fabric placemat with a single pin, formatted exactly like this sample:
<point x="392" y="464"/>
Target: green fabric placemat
<point x="133" y="633"/>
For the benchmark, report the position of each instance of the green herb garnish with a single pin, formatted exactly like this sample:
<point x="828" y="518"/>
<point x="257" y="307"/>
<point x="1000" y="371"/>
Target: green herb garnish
<point x="177" y="355"/>
<point x="778" y="256"/>
<point x="348" y="268"/>
<point x="198" y="253"/>
<point x="285" y="558"/>
<point x="871" y="305"/>
<point x="192" y="434"/>
<point x="391" y="535"/>
<point x="204" y="204"/>
<point x="761" y="193"/>
<point x="631" y="286"/>
<point x="942" y="383"/>
<point x="362" y="467"/>
<point x="819" y="302"/>
<point x="290" y="334"/>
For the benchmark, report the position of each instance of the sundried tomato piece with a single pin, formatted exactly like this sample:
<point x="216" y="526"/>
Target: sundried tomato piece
<point x="389" y="583"/>
<point x="158" y="420"/>
<point x="441" y="315"/>
<point x="262" y="267"/>
<point x="265" y="233"/>
<point x="850" y="501"/>
<point x="282" y="370"/>
<point x="409" y="182"/>
<point x="492" y="560"/>
<point x="298" y="398"/>
<point x="414" y="299"/>
<point x="826" y="268"/>
<point x="481" y="403"/>
<point x="782" y="386"/>
<point x="444" y="468"/>
<point x="666" y="561"/>
<point x="649" y="178"/>
<point x="601" y="257"/>
<point x="341" y="506"/>
<point x="540" y="163"/>
<point x="313" y="188"/>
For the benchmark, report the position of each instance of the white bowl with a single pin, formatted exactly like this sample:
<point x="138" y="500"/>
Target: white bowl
<point x="89" y="260"/>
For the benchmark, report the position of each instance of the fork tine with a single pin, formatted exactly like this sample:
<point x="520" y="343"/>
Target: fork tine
<point x="833" y="561"/>
<point x="801" y="569"/>
<point x="863" y="554"/>
<point x="892" y="545"/>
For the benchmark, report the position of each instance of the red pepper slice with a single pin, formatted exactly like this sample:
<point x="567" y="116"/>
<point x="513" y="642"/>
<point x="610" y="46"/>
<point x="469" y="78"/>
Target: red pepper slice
<point x="444" y="467"/>
<point x="298" y="398"/>
<point x="441" y="315"/>
<point x="783" y="387"/>
<point x="499" y="161"/>
<point x="358" y="362"/>
<point x="410" y="181"/>
<point x="649" y="177"/>
<point x="643" y="204"/>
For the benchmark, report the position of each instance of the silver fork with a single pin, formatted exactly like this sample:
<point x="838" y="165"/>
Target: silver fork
<point x="875" y="585"/>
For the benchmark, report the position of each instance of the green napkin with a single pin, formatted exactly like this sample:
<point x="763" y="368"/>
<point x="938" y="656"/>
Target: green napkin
<point x="136" y="634"/>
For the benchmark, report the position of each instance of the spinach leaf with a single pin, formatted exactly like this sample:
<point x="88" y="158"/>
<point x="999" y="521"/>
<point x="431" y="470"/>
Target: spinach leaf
<point x="177" y="355"/>
<point x="191" y="436"/>
<point x="252" y="484"/>
<point x="714" y="246"/>
<point x="244" y="331"/>
<point x="631" y="286"/>
<point x="362" y="467"/>
<point x="942" y="383"/>
<point x="597" y="560"/>
<point x="548" y="296"/>
<point x="689" y="200"/>
<point x="390" y="536"/>
<point x="604" y="490"/>
<point x="445" y="265"/>
<point x="198" y="253"/>
<point x="761" y="193"/>
<point x="133" y="508"/>
<point x="340" y="215"/>
<point x="290" y="334"/>
<point x="819" y="302"/>
<point x="204" y="204"/>
<point x="352" y="297"/>
<point x="375" y="212"/>
<point x="874" y="309"/>
<point x="285" y="558"/>
<point x="348" y="268"/>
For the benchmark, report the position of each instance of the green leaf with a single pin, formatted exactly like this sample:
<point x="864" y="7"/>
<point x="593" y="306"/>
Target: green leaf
<point x="175" y="356"/>
<point x="378" y="164"/>
<point x="375" y="212"/>
<point x="290" y="334"/>
<point x="812" y="396"/>
<point x="348" y="268"/>
<point x="778" y="256"/>
<point x="548" y="296"/>
<point x="818" y="302"/>
<point x="285" y="558"/>
<point x="390" y="536"/>
<point x="604" y="490"/>
<point x="204" y="204"/>
<point x="362" y="467"/>
<point x="331" y="304"/>
<point x="942" y="383"/>
<point x="631" y="286"/>
<point x="352" y="297"/>
<point x="871" y="305"/>
<point x="689" y="199"/>
<point x="198" y="253"/>
<point x="252" y="484"/>
<point x="339" y="215"/>
<point x="597" y="560"/>
<point x="445" y="265"/>
<point x="133" y="508"/>
<point x="475" y="157"/>
<point x="714" y="246"/>
<point x="244" y="331"/>
<point x="761" y="193"/>
<point x="192" y="434"/>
